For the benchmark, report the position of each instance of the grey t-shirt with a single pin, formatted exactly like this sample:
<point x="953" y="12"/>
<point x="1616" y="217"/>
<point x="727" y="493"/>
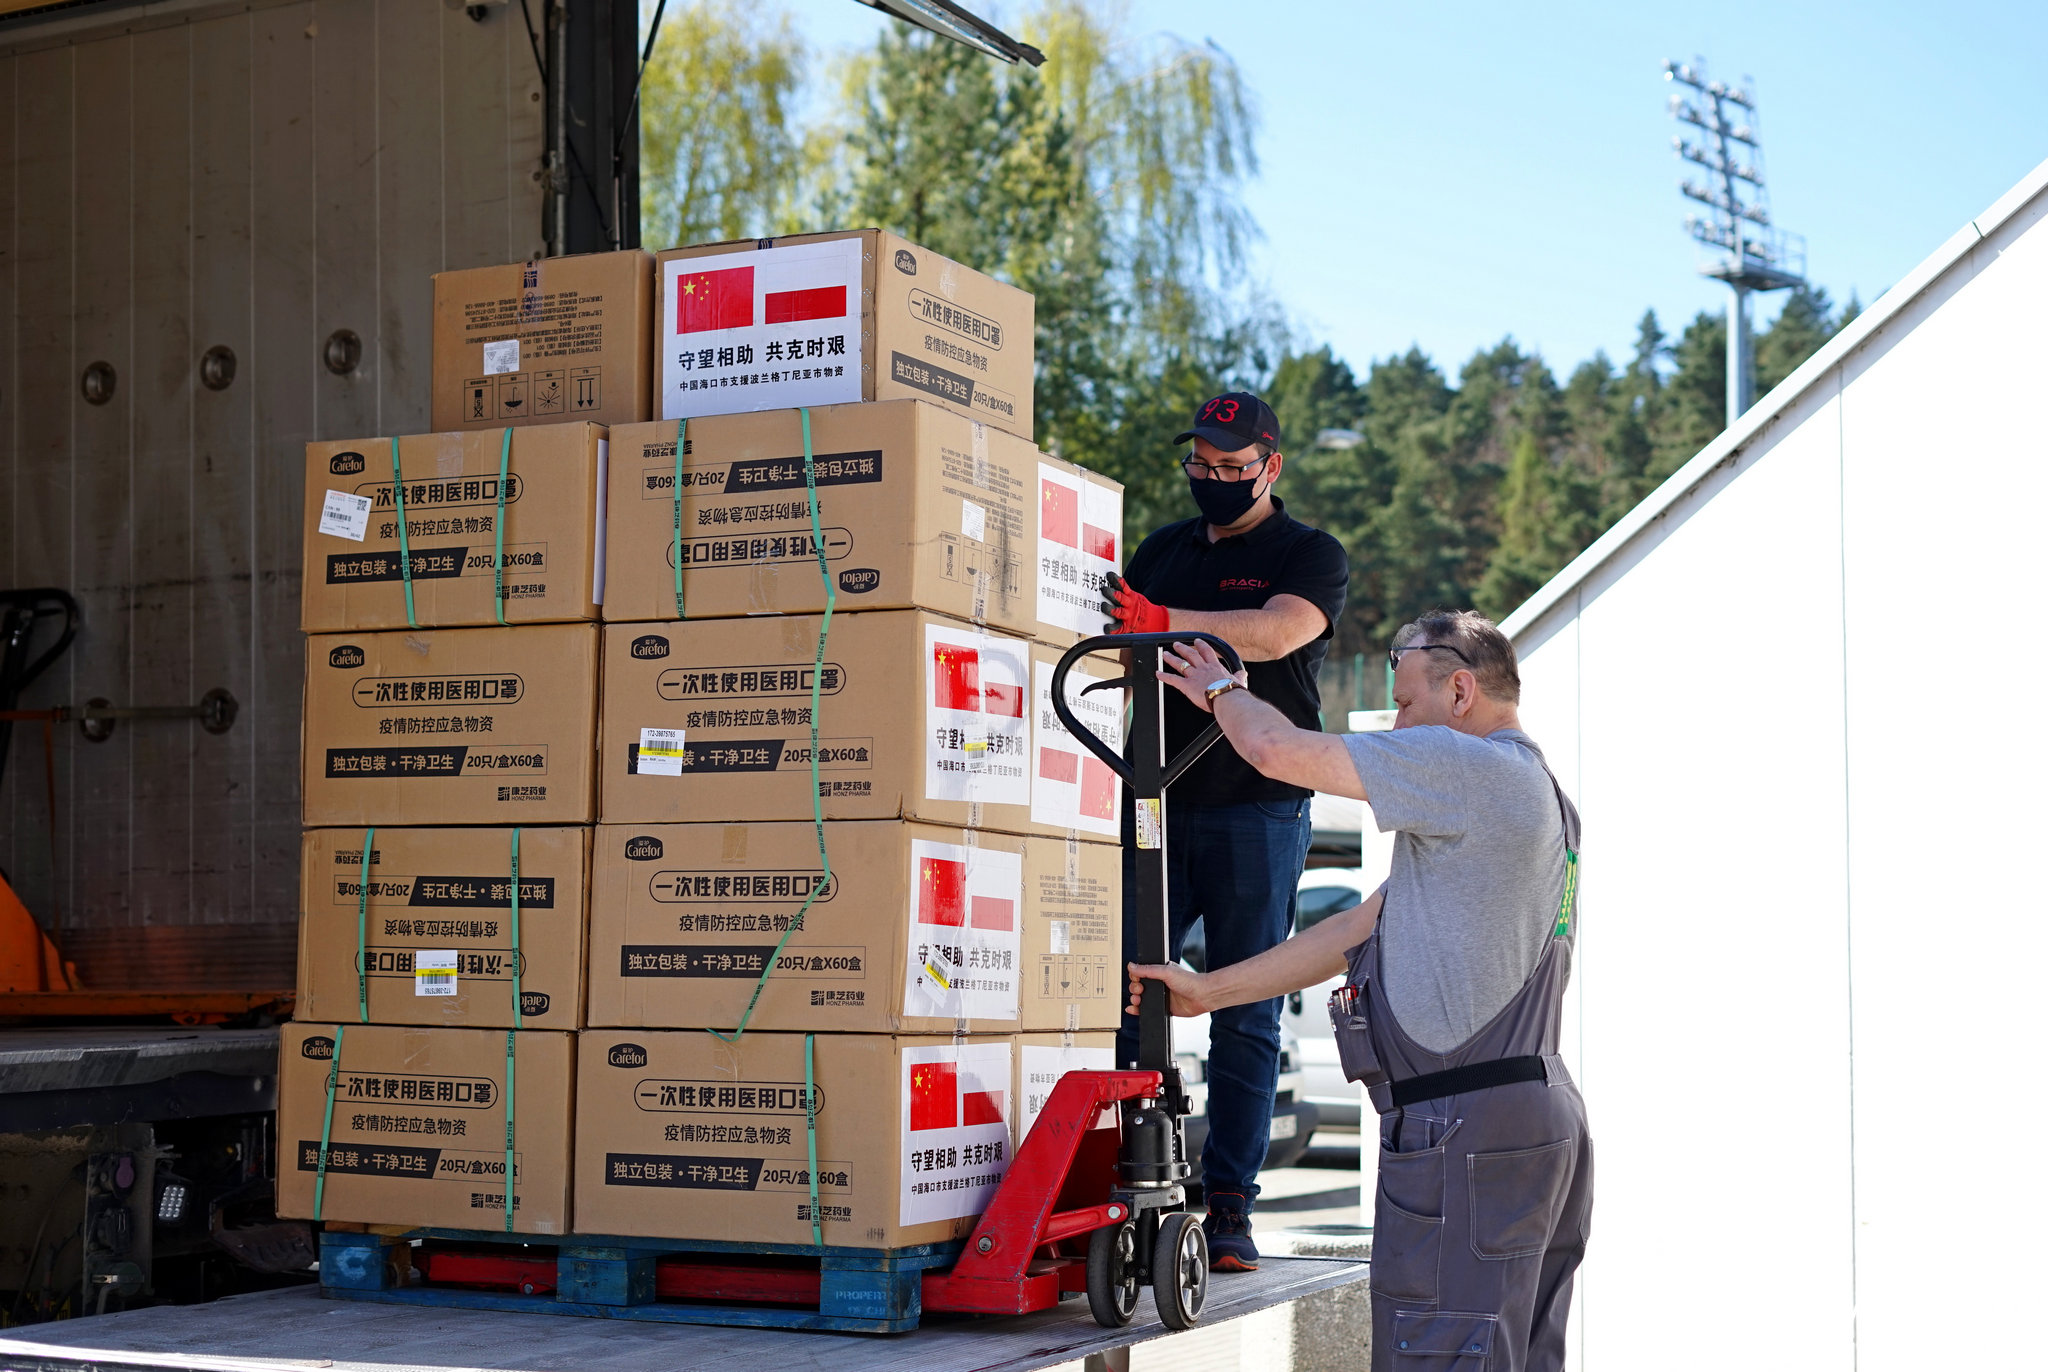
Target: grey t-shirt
<point x="1478" y="872"/>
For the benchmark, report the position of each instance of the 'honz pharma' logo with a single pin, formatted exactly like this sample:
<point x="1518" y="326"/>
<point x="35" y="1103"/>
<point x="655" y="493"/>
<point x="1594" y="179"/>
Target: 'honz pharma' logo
<point x="650" y="645"/>
<point x="345" y="464"/>
<point x="319" y="1047"/>
<point x="643" y="848"/>
<point x="626" y="1055"/>
<point x="347" y="655"/>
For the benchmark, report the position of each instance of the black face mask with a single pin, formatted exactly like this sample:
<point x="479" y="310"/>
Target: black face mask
<point x="1223" y="503"/>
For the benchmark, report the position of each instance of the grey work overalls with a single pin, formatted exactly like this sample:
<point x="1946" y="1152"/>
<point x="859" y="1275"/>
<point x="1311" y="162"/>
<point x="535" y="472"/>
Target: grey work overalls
<point x="1485" y="1195"/>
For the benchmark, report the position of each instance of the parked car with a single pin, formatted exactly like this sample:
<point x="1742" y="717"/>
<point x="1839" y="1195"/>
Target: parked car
<point x="1295" y="1117"/>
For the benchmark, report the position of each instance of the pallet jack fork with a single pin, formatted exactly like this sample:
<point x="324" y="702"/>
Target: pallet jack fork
<point x="1107" y="1159"/>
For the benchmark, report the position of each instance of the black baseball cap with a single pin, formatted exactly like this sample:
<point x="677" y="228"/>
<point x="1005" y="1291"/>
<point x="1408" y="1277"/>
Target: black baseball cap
<point x="1234" y="420"/>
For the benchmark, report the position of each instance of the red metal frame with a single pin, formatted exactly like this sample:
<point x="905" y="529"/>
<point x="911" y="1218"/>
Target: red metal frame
<point x="1058" y="1188"/>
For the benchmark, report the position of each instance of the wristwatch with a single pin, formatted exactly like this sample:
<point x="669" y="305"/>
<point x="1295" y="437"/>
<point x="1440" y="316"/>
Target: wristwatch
<point x="1223" y="687"/>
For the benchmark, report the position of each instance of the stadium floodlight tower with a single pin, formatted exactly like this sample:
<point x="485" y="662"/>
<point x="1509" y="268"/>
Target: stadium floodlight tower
<point x="1749" y="252"/>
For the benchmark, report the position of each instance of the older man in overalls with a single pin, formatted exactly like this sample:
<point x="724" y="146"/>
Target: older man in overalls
<point x="1455" y="976"/>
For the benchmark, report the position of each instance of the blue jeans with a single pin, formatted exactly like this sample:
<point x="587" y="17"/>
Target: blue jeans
<point x="1235" y="868"/>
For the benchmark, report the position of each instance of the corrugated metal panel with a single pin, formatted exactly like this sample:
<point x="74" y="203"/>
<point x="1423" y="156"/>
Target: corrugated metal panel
<point x="254" y="177"/>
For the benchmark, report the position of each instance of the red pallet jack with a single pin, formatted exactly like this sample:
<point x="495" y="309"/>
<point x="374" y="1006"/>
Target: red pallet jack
<point x="1106" y="1159"/>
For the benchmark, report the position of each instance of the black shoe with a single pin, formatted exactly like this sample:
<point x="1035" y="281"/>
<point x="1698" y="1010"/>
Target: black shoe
<point x="1229" y="1229"/>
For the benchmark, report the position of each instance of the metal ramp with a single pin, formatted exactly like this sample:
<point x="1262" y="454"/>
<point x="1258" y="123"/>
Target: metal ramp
<point x="292" y="1330"/>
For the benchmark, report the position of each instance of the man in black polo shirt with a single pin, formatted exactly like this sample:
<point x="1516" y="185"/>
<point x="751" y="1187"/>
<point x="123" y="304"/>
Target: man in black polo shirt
<point x="1271" y="587"/>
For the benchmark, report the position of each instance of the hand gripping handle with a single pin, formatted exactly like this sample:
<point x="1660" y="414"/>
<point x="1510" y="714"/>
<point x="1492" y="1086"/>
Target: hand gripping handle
<point x="1120" y="643"/>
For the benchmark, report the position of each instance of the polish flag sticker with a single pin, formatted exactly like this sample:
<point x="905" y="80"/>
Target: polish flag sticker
<point x="964" y="942"/>
<point x="768" y="328"/>
<point x="955" y="1130"/>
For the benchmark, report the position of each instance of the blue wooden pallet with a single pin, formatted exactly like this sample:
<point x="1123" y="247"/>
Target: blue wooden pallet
<point x="861" y="1290"/>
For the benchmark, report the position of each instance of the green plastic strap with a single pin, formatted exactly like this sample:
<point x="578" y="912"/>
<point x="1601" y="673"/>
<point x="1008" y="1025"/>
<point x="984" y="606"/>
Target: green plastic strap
<point x="811" y="1133"/>
<point x="498" y="525"/>
<point x="817" y="676"/>
<point x="327" y="1124"/>
<point x="362" y="927"/>
<point x="404" y="544"/>
<point x="676" y="550"/>
<point x="1571" y="891"/>
<point x="518" y="1022"/>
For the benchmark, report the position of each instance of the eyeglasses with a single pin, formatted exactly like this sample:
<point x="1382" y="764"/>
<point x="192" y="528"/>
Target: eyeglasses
<point x="1394" y="654"/>
<point x="1209" y="471"/>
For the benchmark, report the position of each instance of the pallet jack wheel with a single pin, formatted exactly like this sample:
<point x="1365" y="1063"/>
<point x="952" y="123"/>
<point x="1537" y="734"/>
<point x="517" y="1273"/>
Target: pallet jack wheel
<point x="1180" y="1270"/>
<point x="1113" y="1274"/>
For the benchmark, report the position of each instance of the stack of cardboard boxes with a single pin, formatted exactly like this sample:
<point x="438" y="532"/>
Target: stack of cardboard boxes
<point x="450" y="599"/>
<point x="966" y="939"/>
<point x="962" y="952"/>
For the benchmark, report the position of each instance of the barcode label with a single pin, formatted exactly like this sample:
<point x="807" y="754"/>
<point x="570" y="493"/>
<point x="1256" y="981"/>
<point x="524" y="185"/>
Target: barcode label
<point x="344" y="515"/>
<point x="433" y="972"/>
<point x="661" y="752"/>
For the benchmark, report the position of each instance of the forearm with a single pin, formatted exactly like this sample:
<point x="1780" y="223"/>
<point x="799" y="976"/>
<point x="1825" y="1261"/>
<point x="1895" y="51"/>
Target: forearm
<point x="1297" y="962"/>
<point x="1258" y="635"/>
<point x="1272" y="744"/>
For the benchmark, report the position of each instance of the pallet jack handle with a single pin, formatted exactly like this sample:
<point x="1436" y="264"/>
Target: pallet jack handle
<point x="1147" y="773"/>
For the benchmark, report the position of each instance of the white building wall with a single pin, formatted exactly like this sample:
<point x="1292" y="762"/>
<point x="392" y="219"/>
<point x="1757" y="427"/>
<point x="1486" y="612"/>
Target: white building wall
<point x="1796" y="707"/>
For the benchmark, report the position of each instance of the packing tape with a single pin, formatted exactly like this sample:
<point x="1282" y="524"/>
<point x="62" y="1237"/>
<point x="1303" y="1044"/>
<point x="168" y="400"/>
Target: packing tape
<point x="362" y="929"/>
<point x="817" y="678"/>
<point x="811" y="1134"/>
<point x="404" y="545"/>
<point x="498" y="525"/>
<point x="327" y="1124"/>
<point x="518" y="1020"/>
<point x="676" y="547"/>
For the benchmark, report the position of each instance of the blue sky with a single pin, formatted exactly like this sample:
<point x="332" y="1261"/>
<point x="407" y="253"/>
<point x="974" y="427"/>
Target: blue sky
<point x="1447" y="174"/>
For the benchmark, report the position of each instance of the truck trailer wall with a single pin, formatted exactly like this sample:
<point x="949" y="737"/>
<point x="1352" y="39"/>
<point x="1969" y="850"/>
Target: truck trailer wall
<point x="175" y="179"/>
<point x="1793" y="695"/>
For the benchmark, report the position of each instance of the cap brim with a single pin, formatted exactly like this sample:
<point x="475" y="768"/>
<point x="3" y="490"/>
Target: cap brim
<point x="1224" y="439"/>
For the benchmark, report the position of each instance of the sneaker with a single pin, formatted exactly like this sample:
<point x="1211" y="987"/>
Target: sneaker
<point x="1229" y="1228"/>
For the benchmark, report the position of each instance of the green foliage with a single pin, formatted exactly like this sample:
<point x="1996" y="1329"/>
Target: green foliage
<point x="1110" y="184"/>
<point x="717" y="156"/>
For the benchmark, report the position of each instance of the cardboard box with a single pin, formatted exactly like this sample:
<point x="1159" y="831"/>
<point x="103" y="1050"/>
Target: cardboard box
<point x="1072" y="790"/>
<point x="1073" y="935"/>
<point x="683" y="1135"/>
<point x="419" y="1134"/>
<point x="920" y="717"/>
<point x="919" y="509"/>
<point x="833" y="318"/>
<point x="922" y="929"/>
<point x="451" y="726"/>
<point x="437" y="927"/>
<point x="543" y="341"/>
<point x="1042" y="1059"/>
<point x="552" y="506"/>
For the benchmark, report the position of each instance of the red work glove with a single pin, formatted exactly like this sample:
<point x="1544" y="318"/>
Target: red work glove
<point x="1129" y="611"/>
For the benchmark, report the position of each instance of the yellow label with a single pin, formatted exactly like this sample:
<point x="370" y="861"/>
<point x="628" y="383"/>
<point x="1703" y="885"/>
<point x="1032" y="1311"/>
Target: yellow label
<point x="1150" y="830"/>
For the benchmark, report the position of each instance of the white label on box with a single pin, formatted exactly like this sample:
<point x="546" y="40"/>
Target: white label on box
<point x="973" y="521"/>
<point x="604" y="470"/>
<point x="344" y="515"/>
<point x="1043" y="1065"/>
<point x="661" y="753"/>
<point x="977" y="734"/>
<point x="501" y="356"/>
<point x="765" y="329"/>
<point x="1062" y="942"/>
<point x="433" y="972"/>
<point x="1079" y="523"/>
<point x="1071" y="788"/>
<point x="956" y="1129"/>
<point x="966" y="905"/>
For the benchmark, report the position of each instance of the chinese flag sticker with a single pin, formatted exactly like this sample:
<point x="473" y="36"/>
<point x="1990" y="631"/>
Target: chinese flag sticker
<point x="715" y="300"/>
<point x="934" y="1095"/>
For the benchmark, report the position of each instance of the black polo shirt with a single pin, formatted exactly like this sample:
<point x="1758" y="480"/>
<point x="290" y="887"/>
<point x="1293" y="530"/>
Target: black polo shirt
<point x="1180" y="569"/>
